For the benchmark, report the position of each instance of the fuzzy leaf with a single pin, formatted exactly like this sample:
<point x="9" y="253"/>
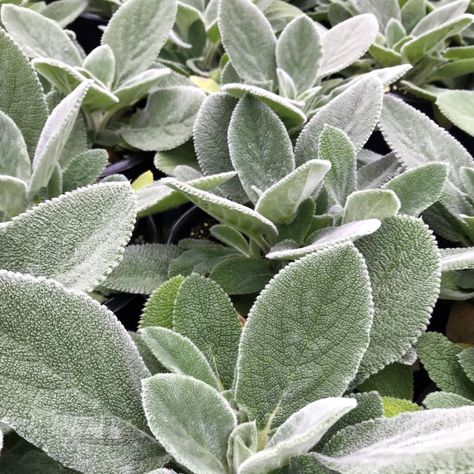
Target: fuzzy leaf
<point x="347" y="42"/>
<point x="439" y="356"/>
<point x="83" y="412"/>
<point x="259" y="146"/>
<point x="280" y="202"/>
<point x="196" y="439"/>
<point x="54" y="137"/>
<point x="76" y="239"/>
<point x="230" y="237"/>
<point x="143" y="268"/>
<point x="252" y="54"/>
<point x="412" y="12"/>
<point x="13" y="197"/>
<point x="243" y="442"/>
<point x="393" y="444"/>
<point x="466" y="359"/>
<point x="64" y="11"/>
<point x="403" y="262"/>
<point x="383" y="11"/>
<point x="21" y="94"/>
<point x="326" y="292"/>
<point x="167" y="120"/>
<point x="211" y="324"/>
<point x="445" y="400"/>
<point x="394" y="406"/>
<point x="377" y="173"/>
<point x="370" y="204"/>
<point x="136" y="34"/>
<point x="178" y="354"/>
<point x="38" y="36"/>
<point x="158" y="310"/>
<point x="298" y="434"/>
<point x="242" y="218"/>
<point x="101" y="64"/>
<point x="355" y="112"/>
<point x="300" y="35"/>
<point x="419" y="188"/>
<point x="458" y="106"/>
<point x="84" y="169"/>
<point x="457" y="259"/>
<point x="438" y="16"/>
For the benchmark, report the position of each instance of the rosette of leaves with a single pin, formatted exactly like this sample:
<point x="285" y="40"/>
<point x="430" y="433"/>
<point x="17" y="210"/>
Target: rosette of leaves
<point x="122" y="71"/>
<point x="213" y="397"/>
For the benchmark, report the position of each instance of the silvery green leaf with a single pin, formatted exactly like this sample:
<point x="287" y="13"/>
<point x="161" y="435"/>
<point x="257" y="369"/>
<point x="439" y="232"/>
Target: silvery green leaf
<point x="281" y="201"/>
<point x="341" y="180"/>
<point x="405" y="282"/>
<point x="100" y="62"/>
<point x="355" y="112"/>
<point x="210" y="141"/>
<point x="457" y="105"/>
<point x="158" y="197"/>
<point x="149" y="359"/>
<point x="167" y="120"/>
<point x="253" y="53"/>
<point x="300" y="35"/>
<point x="419" y="188"/>
<point x="389" y="445"/>
<point x="158" y="310"/>
<point x="82" y="412"/>
<point x="445" y="400"/>
<point x="378" y="172"/>
<point x="394" y="32"/>
<point x="279" y="13"/>
<point x="383" y="11"/>
<point x="178" y="354"/>
<point x="244" y="219"/>
<point x="21" y="94"/>
<point x="197" y="439"/>
<point x="417" y="140"/>
<point x="38" y="36"/>
<point x="389" y="75"/>
<point x="286" y="86"/>
<point x="84" y="169"/>
<point x="143" y="268"/>
<point x="394" y="406"/>
<point x="467" y="177"/>
<point x="242" y="444"/>
<point x="231" y="237"/>
<point x="55" y="183"/>
<point x="466" y="359"/>
<point x="54" y="137"/>
<point x="242" y="275"/>
<point x="136" y="33"/>
<point x="412" y="12"/>
<point x="14" y="159"/>
<point x="13" y="197"/>
<point x="370" y="204"/>
<point x="64" y="11"/>
<point x="326" y="292"/>
<point x="168" y="161"/>
<point x="301" y="226"/>
<point x="291" y="114"/>
<point x="76" y="239"/>
<point x="439" y="356"/>
<point x="440" y="16"/>
<point x="415" y="49"/>
<point x="259" y="146"/>
<point x="298" y="434"/>
<point x="347" y="42"/>
<point x="327" y="237"/>
<point x="204" y="314"/>
<point x="457" y="259"/>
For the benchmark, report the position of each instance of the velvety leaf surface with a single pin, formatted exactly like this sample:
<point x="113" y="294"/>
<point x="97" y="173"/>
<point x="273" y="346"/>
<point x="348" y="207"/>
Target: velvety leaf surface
<point x="101" y="63"/>
<point x="458" y="106"/>
<point x="445" y="400"/>
<point x="370" y="204"/>
<point x="13" y="197"/>
<point x="84" y="169"/>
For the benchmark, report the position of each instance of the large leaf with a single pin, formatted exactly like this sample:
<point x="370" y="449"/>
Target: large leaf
<point x="284" y="363"/>
<point x="243" y="218"/>
<point x="299" y="35"/>
<point x="54" y="137"/>
<point x="76" y="239"/>
<point x="143" y="268"/>
<point x="259" y="146"/>
<point x="355" y="112"/>
<point x="167" y="120"/>
<point x="21" y="94"/>
<point x="204" y="314"/>
<point x="424" y="441"/>
<point x="347" y="42"/>
<point x="253" y="53"/>
<point x="136" y="34"/>
<point x="191" y="420"/>
<point x="439" y="16"/>
<point x="83" y="412"/>
<point x="404" y="268"/>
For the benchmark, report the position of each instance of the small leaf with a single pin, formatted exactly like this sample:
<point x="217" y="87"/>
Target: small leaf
<point x="178" y="354"/>
<point x="196" y="440"/>
<point x="394" y="406"/>
<point x="347" y="42"/>
<point x="84" y="169"/>
<point x="242" y="444"/>
<point x="256" y="65"/>
<point x="143" y="268"/>
<point x="377" y="173"/>
<point x="384" y="11"/>
<point x="458" y="107"/>
<point x="204" y="314"/>
<point x="230" y="237"/>
<point x="101" y="64"/>
<point x="466" y="359"/>
<point x="412" y="12"/>
<point x="445" y="400"/>
<point x="370" y="204"/>
<point x="13" y="197"/>
<point x="457" y="259"/>
<point x="76" y="239"/>
<point x="329" y="292"/>
<point x="149" y="23"/>
<point x="64" y="11"/>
